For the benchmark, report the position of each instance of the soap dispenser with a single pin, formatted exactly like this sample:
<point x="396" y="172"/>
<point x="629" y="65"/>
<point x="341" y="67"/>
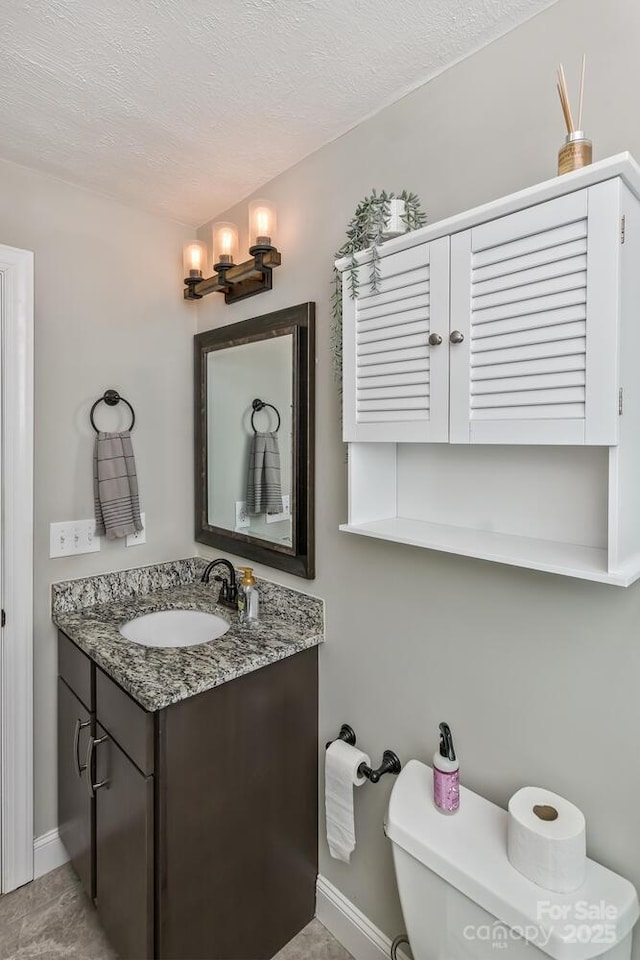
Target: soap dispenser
<point x="248" y="597"/>
<point x="446" y="773"/>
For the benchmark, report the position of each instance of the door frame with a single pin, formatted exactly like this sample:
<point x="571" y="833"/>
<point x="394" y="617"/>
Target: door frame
<point x="16" y="644"/>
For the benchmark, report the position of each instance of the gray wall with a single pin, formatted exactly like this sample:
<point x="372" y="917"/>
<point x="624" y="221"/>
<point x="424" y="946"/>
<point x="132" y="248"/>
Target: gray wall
<point x="108" y="313"/>
<point x="532" y="671"/>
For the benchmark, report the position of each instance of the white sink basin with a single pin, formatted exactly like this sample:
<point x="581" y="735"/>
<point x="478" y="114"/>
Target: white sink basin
<point x="174" y="628"/>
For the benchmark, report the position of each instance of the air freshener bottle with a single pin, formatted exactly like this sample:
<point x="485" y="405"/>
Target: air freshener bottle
<point x="446" y="773"/>
<point x="576" y="152"/>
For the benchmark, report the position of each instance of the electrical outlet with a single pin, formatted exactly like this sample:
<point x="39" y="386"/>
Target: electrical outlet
<point x="72" y="537"/>
<point x="286" y="511"/>
<point x="135" y="539"/>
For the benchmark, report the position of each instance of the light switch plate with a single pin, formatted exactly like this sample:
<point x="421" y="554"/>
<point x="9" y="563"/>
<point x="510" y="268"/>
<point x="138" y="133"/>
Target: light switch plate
<point x="286" y="511"/>
<point x="242" y="517"/>
<point x="135" y="539"/>
<point x="71" y="537"/>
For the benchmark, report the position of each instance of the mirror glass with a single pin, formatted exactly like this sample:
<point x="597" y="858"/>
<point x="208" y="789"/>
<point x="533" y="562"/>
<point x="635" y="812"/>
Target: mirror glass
<point x="250" y="451"/>
<point x="254" y="438"/>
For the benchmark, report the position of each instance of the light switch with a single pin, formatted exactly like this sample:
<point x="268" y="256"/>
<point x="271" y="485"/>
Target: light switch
<point x="242" y="517"/>
<point x="71" y="537"/>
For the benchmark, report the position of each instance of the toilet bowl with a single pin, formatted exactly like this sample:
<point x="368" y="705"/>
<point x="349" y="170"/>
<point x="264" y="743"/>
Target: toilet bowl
<point x="463" y="900"/>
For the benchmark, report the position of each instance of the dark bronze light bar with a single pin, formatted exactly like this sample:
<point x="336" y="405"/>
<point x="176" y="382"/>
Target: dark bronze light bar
<point x="235" y="281"/>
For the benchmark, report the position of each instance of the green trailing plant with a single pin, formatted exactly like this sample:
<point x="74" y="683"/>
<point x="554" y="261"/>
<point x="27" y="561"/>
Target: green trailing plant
<point x="365" y="231"/>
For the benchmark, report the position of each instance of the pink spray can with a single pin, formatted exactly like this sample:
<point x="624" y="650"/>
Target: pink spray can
<point x="446" y="773"/>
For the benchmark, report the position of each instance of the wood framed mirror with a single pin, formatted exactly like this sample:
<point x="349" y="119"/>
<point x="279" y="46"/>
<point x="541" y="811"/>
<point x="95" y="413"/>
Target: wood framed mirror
<point x="255" y="439"/>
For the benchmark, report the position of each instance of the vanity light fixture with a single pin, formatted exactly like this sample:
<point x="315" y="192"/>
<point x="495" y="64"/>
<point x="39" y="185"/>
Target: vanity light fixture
<point x="236" y="281"/>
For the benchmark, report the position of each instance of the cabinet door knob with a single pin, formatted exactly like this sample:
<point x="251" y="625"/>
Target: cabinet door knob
<point x="435" y="339"/>
<point x="456" y="336"/>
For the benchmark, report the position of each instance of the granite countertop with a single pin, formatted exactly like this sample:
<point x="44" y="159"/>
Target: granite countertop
<point x="157" y="677"/>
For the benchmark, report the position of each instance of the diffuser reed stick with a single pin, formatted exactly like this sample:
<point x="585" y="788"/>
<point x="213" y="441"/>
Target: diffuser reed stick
<point x="576" y="151"/>
<point x="565" y="109"/>
<point x="584" y="64"/>
<point x="564" y="99"/>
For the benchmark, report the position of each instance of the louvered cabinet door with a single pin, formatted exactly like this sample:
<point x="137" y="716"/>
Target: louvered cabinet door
<point x="395" y="382"/>
<point x="535" y="296"/>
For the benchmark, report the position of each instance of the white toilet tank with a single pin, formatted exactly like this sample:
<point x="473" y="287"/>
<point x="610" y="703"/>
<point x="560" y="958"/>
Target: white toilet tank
<point x="462" y="899"/>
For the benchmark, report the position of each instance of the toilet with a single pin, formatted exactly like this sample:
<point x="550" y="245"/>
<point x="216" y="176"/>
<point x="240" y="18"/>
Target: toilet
<point x="462" y="899"/>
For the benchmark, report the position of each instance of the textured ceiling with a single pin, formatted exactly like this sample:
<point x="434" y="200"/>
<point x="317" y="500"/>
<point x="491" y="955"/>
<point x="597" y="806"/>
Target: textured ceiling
<point x="183" y="107"/>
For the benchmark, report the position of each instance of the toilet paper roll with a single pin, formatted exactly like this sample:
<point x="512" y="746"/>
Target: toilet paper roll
<point x="340" y="776"/>
<point x="546" y="839"/>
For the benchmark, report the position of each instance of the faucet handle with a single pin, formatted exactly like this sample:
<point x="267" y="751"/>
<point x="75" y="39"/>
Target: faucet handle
<point x="224" y="589"/>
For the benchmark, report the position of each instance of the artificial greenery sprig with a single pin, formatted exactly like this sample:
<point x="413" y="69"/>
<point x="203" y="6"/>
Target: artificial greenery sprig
<point x="366" y="230"/>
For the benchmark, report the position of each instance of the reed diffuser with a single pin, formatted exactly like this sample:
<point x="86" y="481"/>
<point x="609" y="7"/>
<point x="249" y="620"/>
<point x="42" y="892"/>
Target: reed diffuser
<point x="576" y="151"/>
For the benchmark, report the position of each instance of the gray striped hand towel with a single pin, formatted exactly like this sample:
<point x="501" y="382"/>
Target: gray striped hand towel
<point x="115" y="486"/>
<point x="264" y="493"/>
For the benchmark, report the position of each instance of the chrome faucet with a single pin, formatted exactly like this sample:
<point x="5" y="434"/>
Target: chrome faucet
<point x="228" y="595"/>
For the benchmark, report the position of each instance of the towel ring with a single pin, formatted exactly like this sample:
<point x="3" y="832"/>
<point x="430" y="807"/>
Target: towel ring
<point x="260" y="405"/>
<point x="112" y="398"/>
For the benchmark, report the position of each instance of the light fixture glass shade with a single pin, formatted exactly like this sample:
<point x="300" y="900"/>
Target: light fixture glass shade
<point x="194" y="259"/>
<point x="262" y="223"/>
<point x="225" y="244"/>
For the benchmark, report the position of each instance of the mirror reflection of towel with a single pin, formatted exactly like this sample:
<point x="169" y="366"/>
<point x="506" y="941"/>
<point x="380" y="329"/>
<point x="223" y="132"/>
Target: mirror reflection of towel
<point x="264" y="494"/>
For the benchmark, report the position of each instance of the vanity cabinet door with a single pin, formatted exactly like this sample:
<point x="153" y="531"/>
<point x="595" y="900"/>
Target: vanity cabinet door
<point x="395" y="348"/>
<point x="238" y="814"/>
<point x="534" y="307"/>
<point x="124" y="850"/>
<point x="75" y="807"/>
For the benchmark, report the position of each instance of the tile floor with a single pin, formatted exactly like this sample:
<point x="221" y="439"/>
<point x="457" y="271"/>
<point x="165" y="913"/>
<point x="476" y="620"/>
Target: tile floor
<point x="52" y="919"/>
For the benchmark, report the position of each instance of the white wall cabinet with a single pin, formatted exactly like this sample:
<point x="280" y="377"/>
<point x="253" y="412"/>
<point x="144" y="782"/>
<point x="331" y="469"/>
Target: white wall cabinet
<point x="489" y="385"/>
<point x="502" y="333"/>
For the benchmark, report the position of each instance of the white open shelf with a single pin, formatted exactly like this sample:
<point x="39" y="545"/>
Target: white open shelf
<point x="571" y="560"/>
<point x="546" y="508"/>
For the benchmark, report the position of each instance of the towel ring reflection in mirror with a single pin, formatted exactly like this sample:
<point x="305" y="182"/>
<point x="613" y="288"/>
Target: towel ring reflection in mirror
<point x="112" y="398"/>
<point x="260" y="405"/>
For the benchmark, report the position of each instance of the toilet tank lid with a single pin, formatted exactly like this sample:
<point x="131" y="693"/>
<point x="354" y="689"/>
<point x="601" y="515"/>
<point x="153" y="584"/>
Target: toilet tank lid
<point x="469" y="851"/>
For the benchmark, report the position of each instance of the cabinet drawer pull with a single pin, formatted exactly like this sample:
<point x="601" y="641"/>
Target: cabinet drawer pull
<point x="91" y="786"/>
<point x="80" y="725"/>
<point x="435" y="339"/>
<point x="456" y="336"/>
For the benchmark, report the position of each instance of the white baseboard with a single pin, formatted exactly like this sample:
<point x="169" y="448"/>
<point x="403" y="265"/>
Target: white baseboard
<point x="48" y="853"/>
<point x="349" y="926"/>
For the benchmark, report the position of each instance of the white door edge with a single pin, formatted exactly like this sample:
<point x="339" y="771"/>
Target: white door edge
<point x="16" y="642"/>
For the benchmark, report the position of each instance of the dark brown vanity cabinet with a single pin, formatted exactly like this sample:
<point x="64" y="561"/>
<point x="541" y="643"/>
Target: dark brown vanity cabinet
<point x="200" y="839"/>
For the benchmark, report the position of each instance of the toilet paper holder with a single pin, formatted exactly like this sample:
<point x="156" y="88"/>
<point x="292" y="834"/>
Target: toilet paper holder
<point x="390" y="760"/>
